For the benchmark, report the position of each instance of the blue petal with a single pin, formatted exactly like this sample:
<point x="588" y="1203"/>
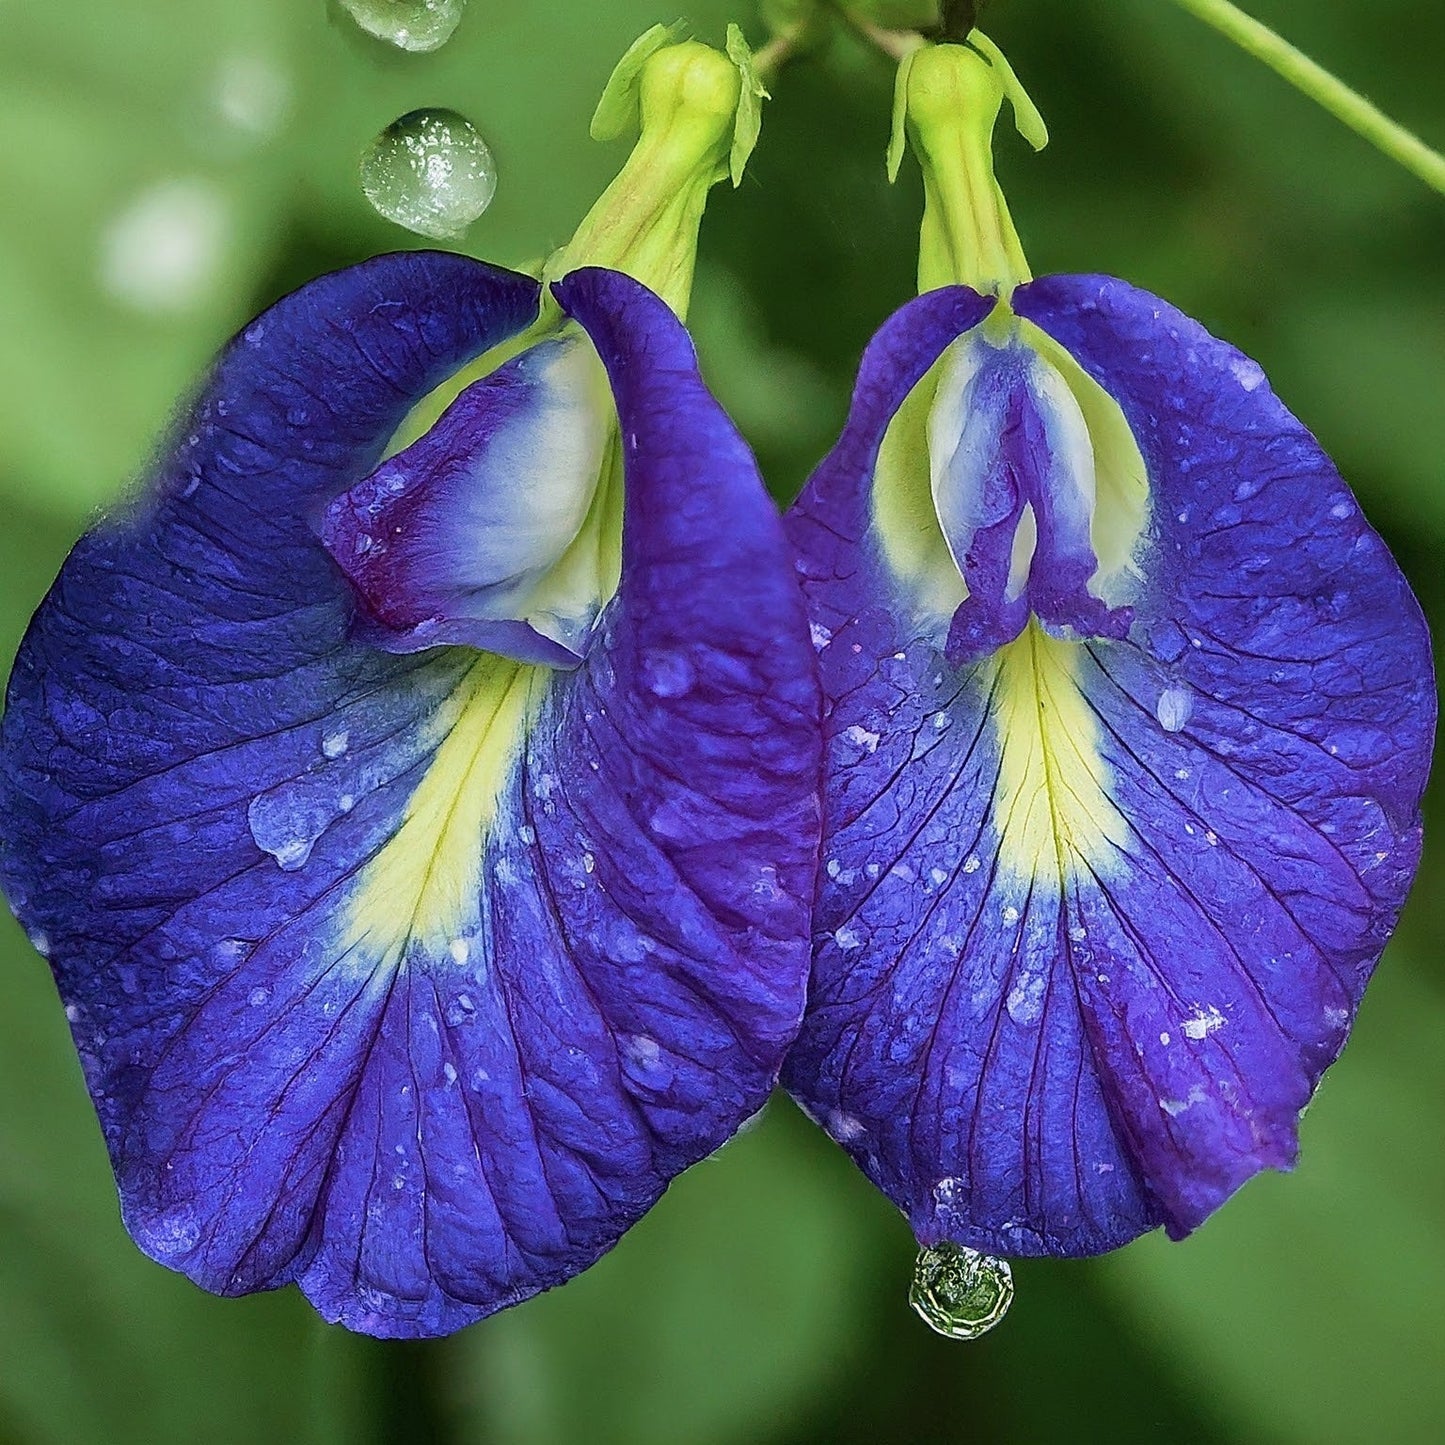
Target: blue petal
<point x="414" y="978"/>
<point x="1095" y="915"/>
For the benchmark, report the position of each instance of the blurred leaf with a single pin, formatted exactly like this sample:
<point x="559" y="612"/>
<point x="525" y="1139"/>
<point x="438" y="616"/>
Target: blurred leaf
<point x="139" y="140"/>
<point x="784" y="405"/>
<point x="1359" y="364"/>
<point x="728" y="1308"/>
<point x="1312" y="1307"/>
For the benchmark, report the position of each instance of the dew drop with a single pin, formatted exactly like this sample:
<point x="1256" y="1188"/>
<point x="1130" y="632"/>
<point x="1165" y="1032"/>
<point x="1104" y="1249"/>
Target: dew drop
<point x="1175" y="706"/>
<point x="862" y="739"/>
<point x="416" y="25"/>
<point x="431" y="172"/>
<point x="667" y="674"/>
<point x="959" y="1292"/>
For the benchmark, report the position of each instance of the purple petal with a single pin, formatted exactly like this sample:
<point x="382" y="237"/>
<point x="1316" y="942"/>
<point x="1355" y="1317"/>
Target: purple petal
<point x="413" y="979"/>
<point x="1095" y="916"/>
<point x="448" y="541"/>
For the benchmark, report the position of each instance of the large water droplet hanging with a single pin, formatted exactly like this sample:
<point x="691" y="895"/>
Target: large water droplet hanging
<point x="410" y="24"/>
<point x="431" y="172"/>
<point x="961" y="1293"/>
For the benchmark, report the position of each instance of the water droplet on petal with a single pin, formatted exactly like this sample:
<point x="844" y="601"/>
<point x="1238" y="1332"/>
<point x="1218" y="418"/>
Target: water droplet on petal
<point x="1174" y="709"/>
<point x="959" y="1292"/>
<point x="431" y="172"/>
<point x="667" y="674"/>
<point x="417" y="25"/>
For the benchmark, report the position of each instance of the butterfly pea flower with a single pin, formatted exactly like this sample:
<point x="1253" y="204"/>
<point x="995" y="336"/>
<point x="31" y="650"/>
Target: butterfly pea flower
<point x="1128" y="716"/>
<point x="415" y="793"/>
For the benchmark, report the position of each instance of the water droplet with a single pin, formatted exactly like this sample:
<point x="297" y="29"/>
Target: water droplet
<point x="1175" y="706"/>
<point x="959" y="1292"/>
<point x="431" y="172"/>
<point x="416" y="25"/>
<point x="1249" y="374"/>
<point x="286" y="823"/>
<point x="667" y="674"/>
<point x="862" y="739"/>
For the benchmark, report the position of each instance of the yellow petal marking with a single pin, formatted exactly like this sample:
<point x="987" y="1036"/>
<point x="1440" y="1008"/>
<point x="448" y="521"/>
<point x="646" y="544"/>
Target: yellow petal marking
<point x="1052" y="805"/>
<point x="425" y="884"/>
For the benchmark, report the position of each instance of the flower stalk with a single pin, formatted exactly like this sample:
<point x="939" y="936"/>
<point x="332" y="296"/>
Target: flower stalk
<point x="1362" y="116"/>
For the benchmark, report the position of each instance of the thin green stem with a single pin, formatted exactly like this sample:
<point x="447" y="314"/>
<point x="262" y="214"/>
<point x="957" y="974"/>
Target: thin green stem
<point x="896" y="44"/>
<point x="775" y="54"/>
<point x="1361" y="115"/>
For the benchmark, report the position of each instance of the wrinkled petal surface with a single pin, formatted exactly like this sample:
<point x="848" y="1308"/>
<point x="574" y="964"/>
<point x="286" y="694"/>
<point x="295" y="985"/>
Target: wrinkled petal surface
<point x="414" y="978"/>
<point x="1095" y="914"/>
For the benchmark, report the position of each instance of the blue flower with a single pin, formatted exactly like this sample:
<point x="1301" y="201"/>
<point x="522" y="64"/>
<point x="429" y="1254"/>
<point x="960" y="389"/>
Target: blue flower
<point x="425" y="868"/>
<point x="1129" y="714"/>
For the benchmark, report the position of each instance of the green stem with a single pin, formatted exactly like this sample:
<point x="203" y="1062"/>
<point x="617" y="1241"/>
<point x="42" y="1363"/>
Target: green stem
<point x="1361" y="115"/>
<point x="775" y="54"/>
<point x="896" y="44"/>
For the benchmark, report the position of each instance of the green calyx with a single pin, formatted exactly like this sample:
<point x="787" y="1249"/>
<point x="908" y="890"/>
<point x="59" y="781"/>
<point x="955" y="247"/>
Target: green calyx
<point x="946" y="107"/>
<point x="698" y="112"/>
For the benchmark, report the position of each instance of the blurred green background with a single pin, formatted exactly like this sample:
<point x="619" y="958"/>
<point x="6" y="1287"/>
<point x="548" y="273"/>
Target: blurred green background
<point x="169" y="166"/>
